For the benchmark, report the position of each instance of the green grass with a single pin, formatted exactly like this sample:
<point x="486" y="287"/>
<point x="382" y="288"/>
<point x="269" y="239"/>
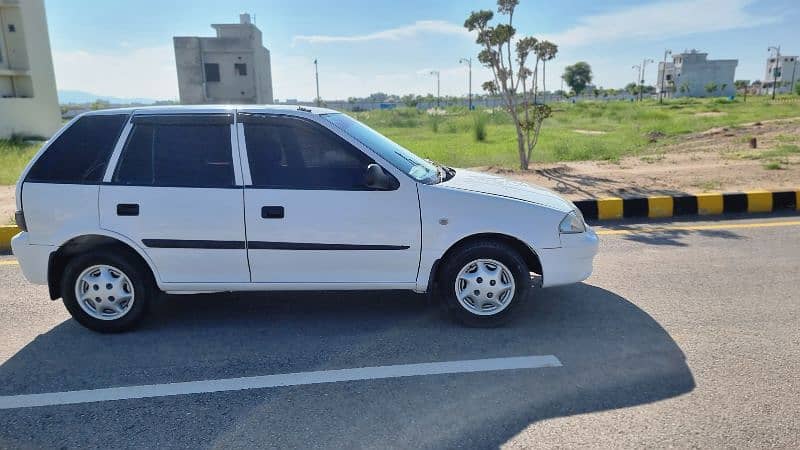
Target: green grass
<point x="14" y="155"/>
<point x="627" y="129"/>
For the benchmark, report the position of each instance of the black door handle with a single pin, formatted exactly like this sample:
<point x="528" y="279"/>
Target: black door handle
<point x="272" y="212"/>
<point x="127" y="209"/>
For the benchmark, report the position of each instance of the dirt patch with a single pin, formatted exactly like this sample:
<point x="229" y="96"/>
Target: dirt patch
<point x="709" y="114"/>
<point x="590" y="132"/>
<point x="715" y="160"/>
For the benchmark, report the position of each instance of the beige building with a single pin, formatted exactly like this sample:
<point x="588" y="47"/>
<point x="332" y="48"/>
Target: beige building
<point x="28" y="98"/>
<point x="783" y="71"/>
<point x="233" y="67"/>
<point x="692" y="74"/>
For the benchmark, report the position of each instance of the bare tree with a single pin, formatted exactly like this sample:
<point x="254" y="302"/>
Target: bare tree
<point x="513" y="80"/>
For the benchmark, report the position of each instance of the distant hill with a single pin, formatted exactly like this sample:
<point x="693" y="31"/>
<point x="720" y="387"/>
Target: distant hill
<point x="81" y="97"/>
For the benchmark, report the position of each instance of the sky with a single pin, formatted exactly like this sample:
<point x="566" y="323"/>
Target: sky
<point x="124" y="48"/>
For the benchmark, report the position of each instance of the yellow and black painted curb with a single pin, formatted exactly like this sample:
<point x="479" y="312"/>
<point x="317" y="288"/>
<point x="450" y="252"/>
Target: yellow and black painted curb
<point x="6" y="233"/>
<point x="688" y="205"/>
<point x="650" y="207"/>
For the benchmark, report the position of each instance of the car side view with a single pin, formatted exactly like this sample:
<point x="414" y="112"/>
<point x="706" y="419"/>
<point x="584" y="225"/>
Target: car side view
<point x="123" y="204"/>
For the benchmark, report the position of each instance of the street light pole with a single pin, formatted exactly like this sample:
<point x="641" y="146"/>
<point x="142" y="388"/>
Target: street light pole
<point x="638" y="76"/>
<point x="775" y="69"/>
<point x="436" y="73"/>
<point x="469" y="65"/>
<point x="663" y="75"/>
<point x="641" y="87"/>
<point x="316" y="75"/>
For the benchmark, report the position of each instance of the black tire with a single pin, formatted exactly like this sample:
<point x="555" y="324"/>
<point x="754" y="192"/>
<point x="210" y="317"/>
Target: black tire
<point x="460" y="257"/>
<point x="140" y="277"/>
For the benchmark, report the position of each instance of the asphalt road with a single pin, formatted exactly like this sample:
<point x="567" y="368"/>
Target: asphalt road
<point x="688" y="335"/>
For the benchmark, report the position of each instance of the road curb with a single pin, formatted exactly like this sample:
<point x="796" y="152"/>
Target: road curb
<point x="6" y="233"/>
<point x="689" y="205"/>
<point x="658" y="206"/>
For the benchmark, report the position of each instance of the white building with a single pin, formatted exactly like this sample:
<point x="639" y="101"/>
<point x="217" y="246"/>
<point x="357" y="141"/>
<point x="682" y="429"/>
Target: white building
<point x="692" y="74"/>
<point x="786" y="75"/>
<point x="233" y="67"/>
<point x="28" y="98"/>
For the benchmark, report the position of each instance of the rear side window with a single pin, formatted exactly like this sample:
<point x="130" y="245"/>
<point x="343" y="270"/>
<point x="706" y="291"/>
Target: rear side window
<point x="177" y="154"/>
<point x="288" y="153"/>
<point x="81" y="153"/>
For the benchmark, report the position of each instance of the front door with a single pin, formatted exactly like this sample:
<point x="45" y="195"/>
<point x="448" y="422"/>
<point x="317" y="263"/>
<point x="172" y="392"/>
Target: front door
<point x="310" y="217"/>
<point x="175" y="193"/>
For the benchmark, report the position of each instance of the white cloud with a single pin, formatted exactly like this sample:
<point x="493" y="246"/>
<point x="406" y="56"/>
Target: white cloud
<point x="393" y="34"/>
<point x="666" y="19"/>
<point x="136" y="72"/>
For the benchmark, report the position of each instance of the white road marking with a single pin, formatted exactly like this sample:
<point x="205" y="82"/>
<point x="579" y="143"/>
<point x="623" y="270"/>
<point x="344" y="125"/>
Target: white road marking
<point x="271" y="381"/>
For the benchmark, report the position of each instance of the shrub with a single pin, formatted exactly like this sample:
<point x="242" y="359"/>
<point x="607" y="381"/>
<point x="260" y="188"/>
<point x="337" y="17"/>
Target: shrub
<point x="434" y="121"/>
<point x="479" y="122"/>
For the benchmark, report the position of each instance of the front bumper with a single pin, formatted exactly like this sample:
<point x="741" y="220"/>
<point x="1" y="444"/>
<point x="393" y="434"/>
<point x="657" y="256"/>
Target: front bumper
<point x="570" y="263"/>
<point x="33" y="259"/>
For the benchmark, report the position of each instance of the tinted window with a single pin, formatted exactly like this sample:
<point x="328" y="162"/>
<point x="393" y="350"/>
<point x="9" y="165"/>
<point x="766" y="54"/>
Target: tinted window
<point x="297" y="154"/>
<point x="177" y="155"/>
<point x="80" y="154"/>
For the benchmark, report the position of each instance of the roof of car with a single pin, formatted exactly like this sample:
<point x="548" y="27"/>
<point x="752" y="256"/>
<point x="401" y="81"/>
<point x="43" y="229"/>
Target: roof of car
<point x="211" y="109"/>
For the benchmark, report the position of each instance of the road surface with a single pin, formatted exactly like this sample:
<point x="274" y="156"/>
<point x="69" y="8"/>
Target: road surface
<point x="687" y="334"/>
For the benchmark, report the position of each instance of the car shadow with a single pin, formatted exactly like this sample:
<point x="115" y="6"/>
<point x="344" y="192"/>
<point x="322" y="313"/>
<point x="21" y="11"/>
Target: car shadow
<point x="614" y="355"/>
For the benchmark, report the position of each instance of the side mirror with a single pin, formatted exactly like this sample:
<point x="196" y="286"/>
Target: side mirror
<point x="376" y="178"/>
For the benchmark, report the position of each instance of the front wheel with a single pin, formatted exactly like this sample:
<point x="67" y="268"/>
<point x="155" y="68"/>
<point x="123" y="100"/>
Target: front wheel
<point x="106" y="291"/>
<point x="483" y="283"/>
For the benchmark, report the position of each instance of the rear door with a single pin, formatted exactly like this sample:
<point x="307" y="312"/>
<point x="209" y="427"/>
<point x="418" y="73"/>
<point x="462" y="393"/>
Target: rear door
<point x="176" y="191"/>
<point x="311" y="219"/>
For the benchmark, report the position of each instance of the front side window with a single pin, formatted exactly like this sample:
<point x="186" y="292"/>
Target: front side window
<point x="81" y="153"/>
<point x="290" y="153"/>
<point x="411" y="164"/>
<point x="240" y="69"/>
<point x="181" y="154"/>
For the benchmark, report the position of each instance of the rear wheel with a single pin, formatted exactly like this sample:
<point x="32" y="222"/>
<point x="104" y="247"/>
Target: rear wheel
<point x="482" y="283"/>
<point x="106" y="291"/>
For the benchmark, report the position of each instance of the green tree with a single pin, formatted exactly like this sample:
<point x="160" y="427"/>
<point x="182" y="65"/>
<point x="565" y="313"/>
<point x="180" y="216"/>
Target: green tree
<point x="577" y="76"/>
<point x="797" y="88"/>
<point x="632" y="88"/>
<point x="711" y="87"/>
<point x="507" y="56"/>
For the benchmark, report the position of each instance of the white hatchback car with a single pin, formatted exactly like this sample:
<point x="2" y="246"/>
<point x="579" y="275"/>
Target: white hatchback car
<point x="123" y="203"/>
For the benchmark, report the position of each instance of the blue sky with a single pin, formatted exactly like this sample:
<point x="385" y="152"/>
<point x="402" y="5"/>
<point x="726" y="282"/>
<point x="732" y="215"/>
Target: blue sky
<point x="124" y="48"/>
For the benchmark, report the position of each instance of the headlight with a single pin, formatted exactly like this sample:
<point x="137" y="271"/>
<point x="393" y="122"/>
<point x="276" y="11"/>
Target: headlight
<point x="572" y="223"/>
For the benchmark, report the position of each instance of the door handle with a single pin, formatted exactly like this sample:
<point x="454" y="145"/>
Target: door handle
<point x="272" y="212"/>
<point x="127" y="209"/>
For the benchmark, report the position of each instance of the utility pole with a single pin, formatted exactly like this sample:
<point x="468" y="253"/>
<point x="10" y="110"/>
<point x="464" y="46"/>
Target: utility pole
<point x="661" y="89"/>
<point x="638" y="77"/>
<point x="436" y="73"/>
<point x="468" y="61"/>
<point x="316" y="75"/>
<point x="641" y="85"/>
<point x="775" y="70"/>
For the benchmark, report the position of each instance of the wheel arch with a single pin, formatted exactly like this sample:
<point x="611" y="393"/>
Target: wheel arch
<point x="527" y="253"/>
<point x="77" y="245"/>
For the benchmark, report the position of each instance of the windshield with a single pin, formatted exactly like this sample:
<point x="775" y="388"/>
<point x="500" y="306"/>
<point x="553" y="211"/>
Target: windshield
<point x="411" y="164"/>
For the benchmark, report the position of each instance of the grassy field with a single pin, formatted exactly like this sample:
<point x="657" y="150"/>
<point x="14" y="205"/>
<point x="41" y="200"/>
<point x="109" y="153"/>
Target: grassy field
<point x="576" y="132"/>
<point x="14" y="155"/>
